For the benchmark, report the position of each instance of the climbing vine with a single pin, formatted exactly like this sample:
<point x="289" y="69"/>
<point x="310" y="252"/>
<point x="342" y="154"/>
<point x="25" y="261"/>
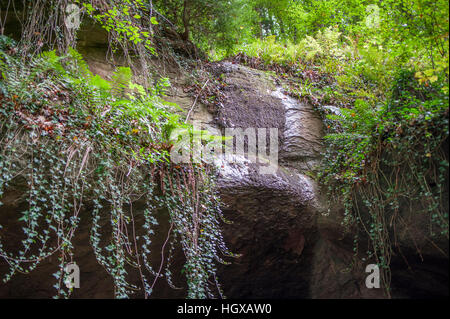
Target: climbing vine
<point x="81" y="143"/>
<point x="54" y="24"/>
<point x="385" y="114"/>
<point x="388" y="163"/>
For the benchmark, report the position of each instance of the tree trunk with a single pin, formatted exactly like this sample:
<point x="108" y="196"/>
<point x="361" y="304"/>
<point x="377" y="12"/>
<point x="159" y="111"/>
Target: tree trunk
<point x="185" y="35"/>
<point x="261" y="31"/>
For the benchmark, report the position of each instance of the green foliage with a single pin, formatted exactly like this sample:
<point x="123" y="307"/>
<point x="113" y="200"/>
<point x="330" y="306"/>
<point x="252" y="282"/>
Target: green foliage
<point x="129" y="24"/>
<point x="206" y="22"/>
<point x="123" y="19"/>
<point x="380" y="157"/>
<point x="383" y="68"/>
<point x="81" y="141"/>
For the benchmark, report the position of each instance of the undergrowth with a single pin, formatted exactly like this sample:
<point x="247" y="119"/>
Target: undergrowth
<point x="386" y="124"/>
<point x="388" y="164"/>
<point x="80" y="142"/>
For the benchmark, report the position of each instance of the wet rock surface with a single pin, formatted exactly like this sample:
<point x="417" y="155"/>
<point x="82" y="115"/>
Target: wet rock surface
<point x="284" y="252"/>
<point x="302" y="136"/>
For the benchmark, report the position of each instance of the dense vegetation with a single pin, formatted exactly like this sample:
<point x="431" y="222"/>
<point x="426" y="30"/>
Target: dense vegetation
<point x="376" y="71"/>
<point x="81" y="141"/>
<point x="383" y="69"/>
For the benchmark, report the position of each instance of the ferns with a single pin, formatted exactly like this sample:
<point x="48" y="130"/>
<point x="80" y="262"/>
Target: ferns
<point x="78" y="62"/>
<point x="120" y="81"/>
<point x="47" y="61"/>
<point x="325" y="44"/>
<point x="106" y="142"/>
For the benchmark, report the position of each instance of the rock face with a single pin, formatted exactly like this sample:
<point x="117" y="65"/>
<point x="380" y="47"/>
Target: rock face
<point x="291" y="246"/>
<point x="302" y="134"/>
<point x="284" y="252"/>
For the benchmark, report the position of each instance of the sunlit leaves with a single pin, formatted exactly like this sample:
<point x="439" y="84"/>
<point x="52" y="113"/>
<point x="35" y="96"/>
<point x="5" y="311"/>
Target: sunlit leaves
<point x="112" y="147"/>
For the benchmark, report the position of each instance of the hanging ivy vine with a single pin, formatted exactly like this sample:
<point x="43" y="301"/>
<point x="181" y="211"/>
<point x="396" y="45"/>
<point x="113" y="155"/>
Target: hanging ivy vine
<point x="387" y="162"/>
<point x="81" y="142"/>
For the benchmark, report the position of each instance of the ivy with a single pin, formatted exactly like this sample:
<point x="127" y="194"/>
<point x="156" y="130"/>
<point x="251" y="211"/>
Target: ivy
<point x="381" y="160"/>
<point x="84" y="143"/>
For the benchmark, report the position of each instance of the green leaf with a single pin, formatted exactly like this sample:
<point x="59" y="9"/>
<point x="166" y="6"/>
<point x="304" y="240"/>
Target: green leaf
<point x="153" y="20"/>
